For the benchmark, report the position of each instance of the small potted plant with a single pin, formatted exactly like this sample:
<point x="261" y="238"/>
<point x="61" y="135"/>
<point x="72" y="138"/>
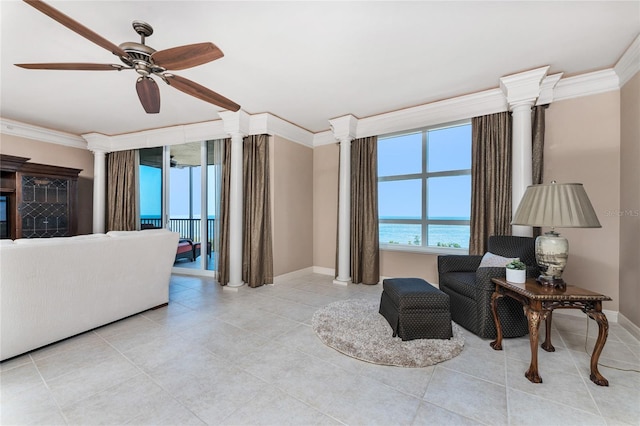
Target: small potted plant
<point x="516" y="271"/>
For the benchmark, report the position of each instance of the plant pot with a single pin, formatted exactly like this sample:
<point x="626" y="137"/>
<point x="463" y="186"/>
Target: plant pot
<point x="516" y="275"/>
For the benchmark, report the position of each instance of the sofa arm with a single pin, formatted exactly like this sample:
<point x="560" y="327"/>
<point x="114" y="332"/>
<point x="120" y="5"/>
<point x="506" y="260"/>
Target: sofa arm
<point x="458" y="263"/>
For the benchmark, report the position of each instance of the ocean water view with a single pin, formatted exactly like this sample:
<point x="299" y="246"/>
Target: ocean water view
<point x="438" y="235"/>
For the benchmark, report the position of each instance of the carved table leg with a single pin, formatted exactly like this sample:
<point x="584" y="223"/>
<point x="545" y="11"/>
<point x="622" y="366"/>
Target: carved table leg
<point x="603" y="332"/>
<point x="496" y="344"/>
<point x="534" y="317"/>
<point x="547" y="346"/>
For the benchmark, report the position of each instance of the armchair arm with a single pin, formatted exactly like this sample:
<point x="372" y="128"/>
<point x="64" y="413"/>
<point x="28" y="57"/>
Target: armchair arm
<point x="458" y="263"/>
<point x="484" y="275"/>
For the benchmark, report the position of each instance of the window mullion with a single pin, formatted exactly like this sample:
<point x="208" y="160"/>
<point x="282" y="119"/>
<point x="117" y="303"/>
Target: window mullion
<point x="425" y="189"/>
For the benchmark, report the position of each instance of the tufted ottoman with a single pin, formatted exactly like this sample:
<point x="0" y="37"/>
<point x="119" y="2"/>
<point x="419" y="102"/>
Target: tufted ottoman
<point x="415" y="309"/>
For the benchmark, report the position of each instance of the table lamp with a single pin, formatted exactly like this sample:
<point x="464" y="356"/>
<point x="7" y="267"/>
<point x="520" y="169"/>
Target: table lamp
<point x="555" y="205"/>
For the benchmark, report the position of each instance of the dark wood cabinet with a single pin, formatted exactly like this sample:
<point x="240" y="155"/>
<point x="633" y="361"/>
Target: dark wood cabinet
<point x="39" y="200"/>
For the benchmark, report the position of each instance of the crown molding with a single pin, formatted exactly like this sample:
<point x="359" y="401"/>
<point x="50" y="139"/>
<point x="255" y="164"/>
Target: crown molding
<point x="324" y="138"/>
<point x="547" y="87"/>
<point x="173" y="135"/>
<point x="586" y="85"/>
<point x="274" y="125"/>
<point x="28" y="131"/>
<point x="448" y="110"/>
<point x="629" y="63"/>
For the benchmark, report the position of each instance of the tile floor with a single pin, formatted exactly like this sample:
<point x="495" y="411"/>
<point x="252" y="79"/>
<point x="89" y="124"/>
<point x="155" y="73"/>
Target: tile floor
<point x="250" y="357"/>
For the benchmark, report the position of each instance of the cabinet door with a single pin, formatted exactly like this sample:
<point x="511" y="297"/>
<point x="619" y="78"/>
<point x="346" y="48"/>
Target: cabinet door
<point x="44" y="208"/>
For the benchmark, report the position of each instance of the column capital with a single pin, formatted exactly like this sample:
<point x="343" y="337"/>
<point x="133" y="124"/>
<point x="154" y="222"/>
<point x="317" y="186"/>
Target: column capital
<point x="344" y="128"/>
<point x="235" y="122"/>
<point x="97" y="142"/>
<point x="523" y="88"/>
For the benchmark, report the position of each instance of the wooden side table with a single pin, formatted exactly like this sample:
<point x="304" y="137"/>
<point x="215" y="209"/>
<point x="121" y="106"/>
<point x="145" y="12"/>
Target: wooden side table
<point x="539" y="302"/>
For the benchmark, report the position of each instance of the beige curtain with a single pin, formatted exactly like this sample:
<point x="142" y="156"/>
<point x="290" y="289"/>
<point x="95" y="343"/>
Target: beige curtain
<point x="490" y="179"/>
<point x="537" y="137"/>
<point x="257" y="255"/>
<point x="365" y="253"/>
<point x="121" y="191"/>
<point x="537" y="134"/>
<point x="222" y="154"/>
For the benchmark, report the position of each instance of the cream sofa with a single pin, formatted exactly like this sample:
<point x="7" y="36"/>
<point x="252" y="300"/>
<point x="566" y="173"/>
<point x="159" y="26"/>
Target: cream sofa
<point x="55" y="288"/>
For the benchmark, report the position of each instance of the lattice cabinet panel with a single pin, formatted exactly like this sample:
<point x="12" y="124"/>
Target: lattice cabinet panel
<point x="45" y="207"/>
<point x="44" y="200"/>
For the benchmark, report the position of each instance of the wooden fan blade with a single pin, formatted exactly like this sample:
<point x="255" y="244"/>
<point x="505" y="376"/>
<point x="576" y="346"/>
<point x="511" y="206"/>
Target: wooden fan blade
<point x="72" y="66"/>
<point x="73" y="25"/>
<point x="183" y="57"/>
<point x="194" y="89"/>
<point x="149" y="94"/>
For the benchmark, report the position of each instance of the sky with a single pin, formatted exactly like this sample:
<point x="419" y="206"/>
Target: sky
<point x="151" y="192"/>
<point x="450" y="196"/>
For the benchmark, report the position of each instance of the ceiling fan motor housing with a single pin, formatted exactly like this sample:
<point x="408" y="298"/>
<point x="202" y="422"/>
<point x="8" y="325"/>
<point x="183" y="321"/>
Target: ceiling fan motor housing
<point x="139" y="53"/>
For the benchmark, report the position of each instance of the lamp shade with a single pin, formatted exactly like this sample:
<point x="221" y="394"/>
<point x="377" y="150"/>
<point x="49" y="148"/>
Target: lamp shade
<point x="556" y="205"/>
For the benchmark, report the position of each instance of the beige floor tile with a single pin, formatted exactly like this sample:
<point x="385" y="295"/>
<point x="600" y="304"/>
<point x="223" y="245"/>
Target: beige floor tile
<point x="14" y="362"/>
<point x="563" y="388"/>
<point x="429" y="414"/>
<point x="367" y="401"/>
<point x="482" y="362"/>
<point x="32" y="406"/>
<point x="412" y="381"/>
<point x="250" y="356"/>
<point x="468" y="396"/>
<point x="19" y="379"/>
<point x="137" y="400"/>
<point x="91" y="379"/>
<point x="271" y="406"/>
<point x="525" y="409"/>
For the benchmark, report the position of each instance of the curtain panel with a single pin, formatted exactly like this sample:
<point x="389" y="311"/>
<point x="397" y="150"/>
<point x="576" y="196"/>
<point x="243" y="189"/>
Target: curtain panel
<point x="537" y="147"/>
<point x="222" y="154"/>
<point x="490" y="179"/>
<point x="257" y="255"/>
<point x="122" y="214"/>
<point x="365" y="253"/>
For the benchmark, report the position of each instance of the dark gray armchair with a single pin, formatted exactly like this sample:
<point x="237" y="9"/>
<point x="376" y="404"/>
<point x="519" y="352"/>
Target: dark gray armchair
<point x="470" y="288"/>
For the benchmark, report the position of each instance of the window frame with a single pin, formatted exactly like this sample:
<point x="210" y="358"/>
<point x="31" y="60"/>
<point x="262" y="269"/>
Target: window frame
<point x="424" y="177"/>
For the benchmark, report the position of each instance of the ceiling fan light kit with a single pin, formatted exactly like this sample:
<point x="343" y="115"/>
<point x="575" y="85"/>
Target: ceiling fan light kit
<point x="145" y="60"/>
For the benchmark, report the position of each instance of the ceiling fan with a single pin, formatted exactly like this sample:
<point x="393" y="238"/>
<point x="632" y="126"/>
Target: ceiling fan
<point x="145" y="60"/>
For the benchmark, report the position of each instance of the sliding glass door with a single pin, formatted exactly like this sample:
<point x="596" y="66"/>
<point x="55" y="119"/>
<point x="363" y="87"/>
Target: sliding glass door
<point x="178" y="191"/>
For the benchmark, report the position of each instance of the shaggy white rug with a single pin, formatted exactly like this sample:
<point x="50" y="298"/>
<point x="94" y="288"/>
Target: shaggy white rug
<point x="355" y="328"/>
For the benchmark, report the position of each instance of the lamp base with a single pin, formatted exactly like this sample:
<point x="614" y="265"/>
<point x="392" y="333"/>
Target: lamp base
<point x="554" y="282"/>
<point x="552" y="252"/>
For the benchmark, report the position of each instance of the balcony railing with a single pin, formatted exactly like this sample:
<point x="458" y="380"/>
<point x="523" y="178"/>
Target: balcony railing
<point x="187" y="228"/>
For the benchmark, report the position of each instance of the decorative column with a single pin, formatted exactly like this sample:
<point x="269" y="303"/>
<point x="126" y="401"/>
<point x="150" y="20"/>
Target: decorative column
<point x="99" y="145"/>
<point x="236" y="124"/>
<point x="235" y="212"/>
<point x="344" y="130"/>
<point x="522" y="91"/>
<point x="99" y="191"/>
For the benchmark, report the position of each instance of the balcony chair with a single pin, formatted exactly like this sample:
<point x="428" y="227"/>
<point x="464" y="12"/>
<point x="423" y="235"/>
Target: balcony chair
<point x="470" y="288"/>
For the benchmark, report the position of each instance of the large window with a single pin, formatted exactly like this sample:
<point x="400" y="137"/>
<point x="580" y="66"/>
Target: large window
<point x="424" y="187"/>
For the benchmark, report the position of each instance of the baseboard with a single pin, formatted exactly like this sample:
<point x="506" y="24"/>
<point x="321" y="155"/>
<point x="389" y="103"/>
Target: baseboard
<point x="629" y="326"/>
<point x="293" y="274"/>
<point x="324" y="271"/>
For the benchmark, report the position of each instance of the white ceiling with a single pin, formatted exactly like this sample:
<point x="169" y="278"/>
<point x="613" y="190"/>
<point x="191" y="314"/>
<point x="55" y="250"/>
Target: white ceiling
<point x="306" y="62"/>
